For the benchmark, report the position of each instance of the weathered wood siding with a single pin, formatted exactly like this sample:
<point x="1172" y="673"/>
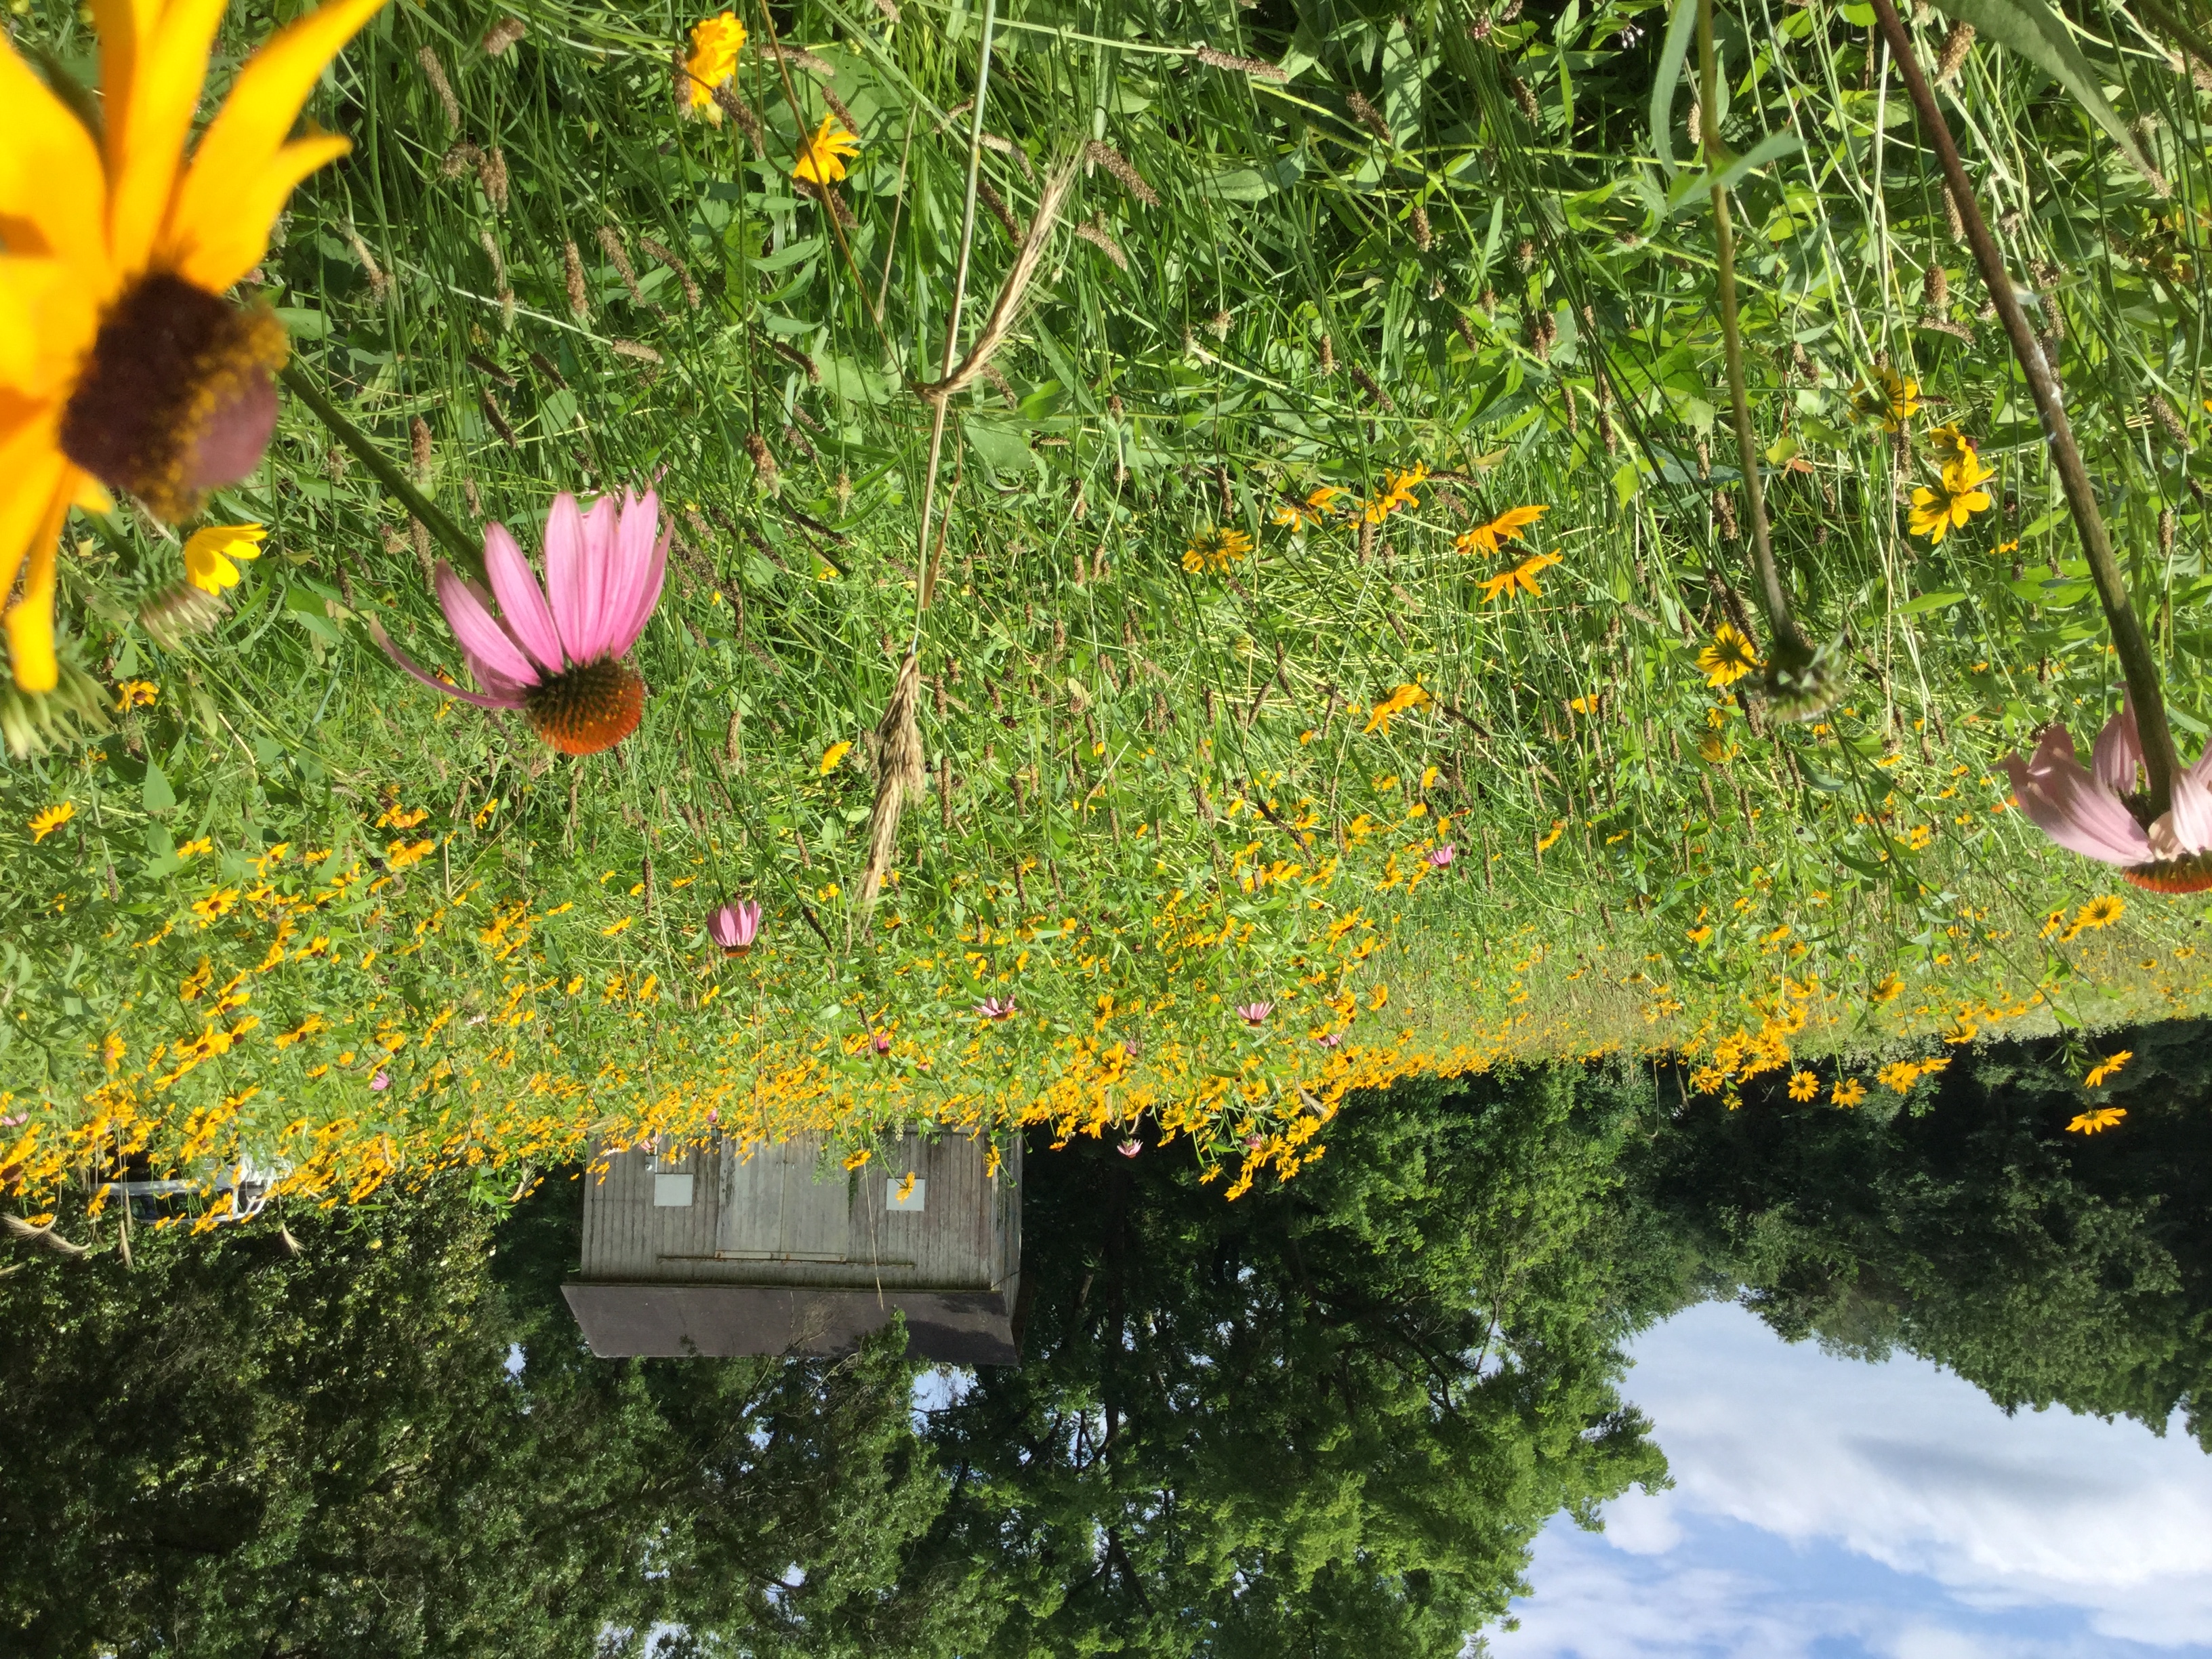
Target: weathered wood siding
<point x="767" y="1219"/>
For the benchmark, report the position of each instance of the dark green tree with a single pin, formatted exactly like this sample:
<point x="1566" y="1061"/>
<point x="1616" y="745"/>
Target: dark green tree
<point x="1328" y="1419"/>
<point x="1971" y="1227"/>
<point x="224" y="1450"/>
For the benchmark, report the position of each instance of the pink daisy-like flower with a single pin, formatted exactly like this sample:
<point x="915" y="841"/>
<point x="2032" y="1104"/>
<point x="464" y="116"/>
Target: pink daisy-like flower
<point x="1441" y="857"/>
<point x="1255" y="1013"/>
<point x="734" y="926"/>
<point x="992" y="1008"/>
<point x="883" y="1042"/>
<point x="1329" y="1039"/>
<point x="1130" y="1147"/>
<point x="1132" y="1048"/>
<point x="2097" y="812"/>
<point x="556" y="652"/>
<point x="381" y="1081"/>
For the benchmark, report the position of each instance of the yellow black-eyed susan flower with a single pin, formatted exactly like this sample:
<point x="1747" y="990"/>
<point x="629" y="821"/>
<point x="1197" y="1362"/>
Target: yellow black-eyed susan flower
<point x="121" y="364"/>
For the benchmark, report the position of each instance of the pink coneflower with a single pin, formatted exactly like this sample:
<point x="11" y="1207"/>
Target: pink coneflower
<point x="556" y="654"/>
<point x="1329" y="1039"/>
<point x="1130" y="1147"/>
<point x="992" y="1008"/>
<point x="1132" y="1048"/>
<point x="381" y="1081"/>
<point x="883" y="1042"/>
<point x="734" y="926"/>
<point x="1441" y="857"/>
<point x="1255" y="1013"/>
<point x="1254" y="1143"/>
<point x="2096" y="812"/>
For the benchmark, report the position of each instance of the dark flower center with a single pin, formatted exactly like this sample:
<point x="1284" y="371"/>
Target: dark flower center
<point x="176" y="397"/>
<point x="584" y="709"/>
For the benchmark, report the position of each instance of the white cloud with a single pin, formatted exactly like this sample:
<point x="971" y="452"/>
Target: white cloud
<point x="1890" y="1509"/>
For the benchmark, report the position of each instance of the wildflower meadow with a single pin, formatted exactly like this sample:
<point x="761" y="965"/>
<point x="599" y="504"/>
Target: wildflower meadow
<point x="584" y="575"/>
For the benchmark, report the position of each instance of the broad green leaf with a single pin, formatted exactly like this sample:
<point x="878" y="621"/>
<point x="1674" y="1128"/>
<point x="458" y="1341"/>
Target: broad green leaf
<point x="1004" y="451"/>
<point x="1671" y="54"/>
<point x="2033" y="30"/>
<point x="156" y="796"/>
<point x="1928" y="602"/>
<point x="1697" y="187"/>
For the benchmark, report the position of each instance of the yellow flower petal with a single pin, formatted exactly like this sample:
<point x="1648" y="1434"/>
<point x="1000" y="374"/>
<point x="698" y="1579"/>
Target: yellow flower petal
<point x="152" y="76"/>
<point x="53" y="190"/>
<point x="219" y="253"/>
<point x="30" y="620"/>
<point x="208" y="553"/>
<point x="244" y="141"/>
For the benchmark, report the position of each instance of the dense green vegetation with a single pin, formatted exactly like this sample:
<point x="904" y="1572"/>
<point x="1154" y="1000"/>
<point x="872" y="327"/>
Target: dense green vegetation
<point x="1326" y="1419"/>
<point x="1186" y="730"/>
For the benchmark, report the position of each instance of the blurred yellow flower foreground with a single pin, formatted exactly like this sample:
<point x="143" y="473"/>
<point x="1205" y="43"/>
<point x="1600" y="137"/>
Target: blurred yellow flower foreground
<point x="121" y="363"/>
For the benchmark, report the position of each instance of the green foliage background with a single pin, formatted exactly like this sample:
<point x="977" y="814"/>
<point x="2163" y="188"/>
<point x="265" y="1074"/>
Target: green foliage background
<point x="1330" y="1418"/>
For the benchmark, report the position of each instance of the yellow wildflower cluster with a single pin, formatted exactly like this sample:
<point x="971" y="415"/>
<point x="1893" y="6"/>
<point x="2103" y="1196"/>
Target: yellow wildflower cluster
<point x="715" y="43"/>
<point x="1521" y="579"/>
<point x="1405" y="697"/>
<point x="1318" y="507"/>
<point x="1957" y="495"/>
<point x="1728" y="658"/>
<point x="1505" y="527"/>
<point x="1213" y="551"/>
<point x="1397" y="493"/>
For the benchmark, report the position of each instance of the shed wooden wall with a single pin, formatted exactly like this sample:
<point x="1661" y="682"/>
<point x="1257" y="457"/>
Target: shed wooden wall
<point x="968" y="1236"/>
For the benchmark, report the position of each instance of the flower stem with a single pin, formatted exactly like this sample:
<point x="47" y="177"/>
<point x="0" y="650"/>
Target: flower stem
<point x="1787" y="640"/>
<point x="467" y="556"/>
<point x="2137" y="663"/>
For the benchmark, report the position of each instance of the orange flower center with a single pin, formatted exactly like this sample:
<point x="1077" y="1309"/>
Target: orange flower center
<point x="175" y="398"/>
<point x="2187" y="875"/>
<point x="587" y="709"/>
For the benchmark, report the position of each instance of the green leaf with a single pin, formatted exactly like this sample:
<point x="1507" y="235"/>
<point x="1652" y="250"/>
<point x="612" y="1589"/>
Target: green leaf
<point x="1928" y="602"/>
<point x="1670" y="72"/>
<point x="1697" y="187"/>
<point x="2033" y="30"/>
<point x="156" y="796"/>
<point x="1002" y="450"/>
<point x="1625" y="483"/>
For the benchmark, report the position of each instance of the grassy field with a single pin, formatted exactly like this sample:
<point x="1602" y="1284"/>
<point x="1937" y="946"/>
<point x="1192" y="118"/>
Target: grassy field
<point x="1224" y="699"/>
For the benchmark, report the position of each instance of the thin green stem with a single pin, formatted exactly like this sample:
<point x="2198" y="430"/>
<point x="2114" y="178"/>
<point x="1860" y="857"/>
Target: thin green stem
<point x="467" y="554"/>
<point x="2137" y="662"/>
<point x="1787" y="640"/>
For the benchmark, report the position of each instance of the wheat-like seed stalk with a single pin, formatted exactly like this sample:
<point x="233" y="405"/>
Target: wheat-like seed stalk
<point x="580" y="295"/>
<point x="1113" y="161"/>
<point x="999" y="210"/>
<point x="379" y="283"/>
<point x="434" y="72"/>
<point x="1367" y="115"/>
<point x="682" y="272"/>
<point x="1095" y="234"/>
<point x="1258" y="68"/>
<point x="899" y="773"/>
<point x="1011" y="292"/>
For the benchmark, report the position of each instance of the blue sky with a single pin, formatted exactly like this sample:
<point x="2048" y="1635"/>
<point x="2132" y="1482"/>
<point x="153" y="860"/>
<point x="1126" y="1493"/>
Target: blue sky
<point x="1825" y="1509"/>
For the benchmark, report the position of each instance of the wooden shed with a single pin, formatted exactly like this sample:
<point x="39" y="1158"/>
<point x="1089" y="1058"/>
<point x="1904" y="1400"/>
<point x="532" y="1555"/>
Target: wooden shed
<point x="766" y="1250"/>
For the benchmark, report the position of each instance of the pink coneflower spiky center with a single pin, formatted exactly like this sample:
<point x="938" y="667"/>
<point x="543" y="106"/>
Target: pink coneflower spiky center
<point x="582" y="710"/>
